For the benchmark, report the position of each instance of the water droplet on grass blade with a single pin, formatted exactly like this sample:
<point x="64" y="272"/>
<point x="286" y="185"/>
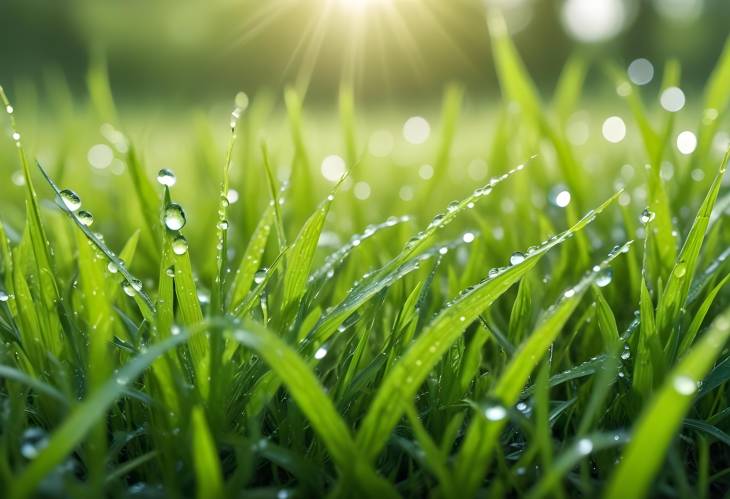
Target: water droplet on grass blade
<point x="604" y="278"/>
<point x="680" y="269"/>
<point x="34" y="440"/>
<point x="320" y="353"/>
<point x="495" y="413"/>
<point x="684" y="385"/>
<point x="112" y="267"/>
<point x="260" y="275"/>
<point x="585" y="446"/>
<point x="646" y="216"/>
<point x="85" y="218"/>
<point x="70" y="199"/>
<point x="179" y="245"/>
<point x="4" y="296"/>
<point x="516" y="258"/>
<point x="166" y="177"/>
<point x="133" y="287"/>
<point x="174" y="217"/>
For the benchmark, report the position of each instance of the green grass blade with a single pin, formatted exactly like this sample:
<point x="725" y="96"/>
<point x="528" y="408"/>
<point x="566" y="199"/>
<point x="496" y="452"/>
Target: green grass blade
<point x="311" y="398"/>
<point x="208" y="475"/>
<point x="301" y="254"/>
<point x="482" y="434"/>
<point x="436" y="338"/>
<point x="84" y="416"/>
<point x="678" y="284"/>
<point x="659" y="422"/>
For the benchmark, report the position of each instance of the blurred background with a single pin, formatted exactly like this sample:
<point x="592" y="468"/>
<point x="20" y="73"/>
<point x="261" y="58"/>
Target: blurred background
<point x="193" y="50"/>
<point x="426" y="123"/>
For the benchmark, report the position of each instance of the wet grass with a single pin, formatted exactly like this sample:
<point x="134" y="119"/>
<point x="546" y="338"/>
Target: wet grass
<point x="231" y="327"/>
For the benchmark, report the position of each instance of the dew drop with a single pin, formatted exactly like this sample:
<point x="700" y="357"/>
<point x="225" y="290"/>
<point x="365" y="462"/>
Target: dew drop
<point x="112" y="267"/>
<point x="604" y="278"/>
<point x="170" y="271"/>
<point x="684" y="385"/>
<point x="70" y="199"/>
<point x="166" y="177"/>
<point x="4" y="297"/>
<point x="128" y="289"/>
<point x="223" y="225"/>
<point x="179" y="245"/>
<point x="680" y="269"/>
<point x="85" y="218"/>
<point x="585" y="446"/>
<point x="320" y="353"/>
<point x="34" y="440"/>
<point x="646" y="216"/>
<point x="260" y="275"/>
<point x="516" y="258"/>
<point x="495" y="413"/>
<point x="174" y="217"/>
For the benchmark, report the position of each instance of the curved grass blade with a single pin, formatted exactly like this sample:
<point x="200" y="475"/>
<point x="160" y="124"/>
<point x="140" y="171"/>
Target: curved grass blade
<point x="87" y="414"/>
<point x="311" y="398"/>
<point x="208" y="475"/>
<point x="573" y="455"/>
<point x="661" y="419"/>
<point x="677" y="287"/>
<point x="402" y="382"/>
<point x="694" y="327"/>
<point x="148" y="308"/>
<point x="301" y="254"/>
<point x="482" y="434"/>
<point x="251" y="260"/>
<point x="9" y="372"/>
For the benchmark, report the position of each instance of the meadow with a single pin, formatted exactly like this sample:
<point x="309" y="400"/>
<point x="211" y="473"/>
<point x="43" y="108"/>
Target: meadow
<point x="518" y="296"/>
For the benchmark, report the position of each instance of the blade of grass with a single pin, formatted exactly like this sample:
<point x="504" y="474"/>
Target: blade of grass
<point x="482" y="434"/>
<point x="661" y="419"/>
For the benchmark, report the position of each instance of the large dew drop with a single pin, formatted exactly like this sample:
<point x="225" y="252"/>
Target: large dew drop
<point x="132" y="287"/>
<point x="646" y="216"/>
<point x="495" y="413"/>
<point x="174" y="217"/>
<point x="70" y="199"/>
<point x="604" y="278"/>
<point x="684" y="385"/>
<point x="180" y="245"/>
<point x="85" y="218"/>
<point x="166" y="177"/>
<point x="260" y="275"/>
<point x="516" y="258"/>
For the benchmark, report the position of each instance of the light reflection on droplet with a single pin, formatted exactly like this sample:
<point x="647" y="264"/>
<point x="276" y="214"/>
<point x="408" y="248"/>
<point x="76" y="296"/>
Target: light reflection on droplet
<point x="593" y="20"/>
<point x="686" y="142"/>
<point x="416" y="130"/>
<point x="362" y="190"/>
<point x="614" y="129"/>
<point x="100" y="156"/>
<point x="641" y="71"/>
<point x="672" y="99"/>
<point x="333" y="168"/>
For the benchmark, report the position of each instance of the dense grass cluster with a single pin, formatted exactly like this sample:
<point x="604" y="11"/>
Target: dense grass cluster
<point x="559" y="331"/>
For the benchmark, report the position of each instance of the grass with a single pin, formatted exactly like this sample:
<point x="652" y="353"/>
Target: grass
<point x="502" y="346"/>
